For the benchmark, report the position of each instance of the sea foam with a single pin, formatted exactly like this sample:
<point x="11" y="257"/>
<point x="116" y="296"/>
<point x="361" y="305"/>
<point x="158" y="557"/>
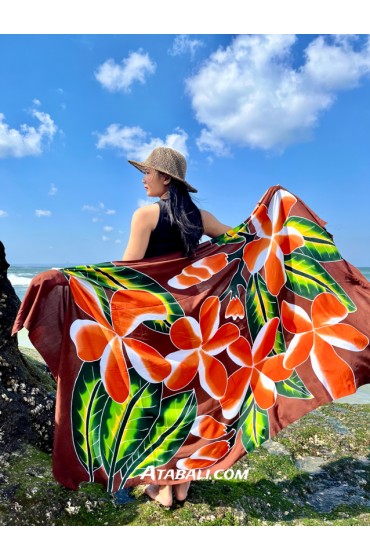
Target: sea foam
<point x="16" y="280"/>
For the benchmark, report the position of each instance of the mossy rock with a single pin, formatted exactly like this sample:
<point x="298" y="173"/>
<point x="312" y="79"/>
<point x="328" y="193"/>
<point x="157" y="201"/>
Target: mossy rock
<point x="276" y="491"/>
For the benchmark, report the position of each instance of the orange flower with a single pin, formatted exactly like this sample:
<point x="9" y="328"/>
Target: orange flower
<point x="316" y="338"/>
<point x="275" y="240"/>
<point x="99" y="339"/>
<point x="199" y="271"/>
<point x="208" y="427"/>
<point x="235" y="308"/>
<point x="205" y="457"/>
<point x="198" y="344"/>
<point x="257" y="371"/>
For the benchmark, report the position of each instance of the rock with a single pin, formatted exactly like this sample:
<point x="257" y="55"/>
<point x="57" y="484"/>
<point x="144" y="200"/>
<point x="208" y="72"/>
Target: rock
<point x="333" y="422"/>
<point x="333" y="495"/>
<point x="363" y="461"/>
<point x="9" y="305"/>
<point x="310" y="464"/>
<point x="27" y="391"/>
<point x="275" y="448"/>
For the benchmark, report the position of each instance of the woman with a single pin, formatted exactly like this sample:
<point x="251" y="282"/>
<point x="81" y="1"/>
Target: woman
<point x="174" y="223"/>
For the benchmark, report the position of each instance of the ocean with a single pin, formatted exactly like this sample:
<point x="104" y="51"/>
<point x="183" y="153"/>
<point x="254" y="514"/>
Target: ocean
<point x="20" y="277"/>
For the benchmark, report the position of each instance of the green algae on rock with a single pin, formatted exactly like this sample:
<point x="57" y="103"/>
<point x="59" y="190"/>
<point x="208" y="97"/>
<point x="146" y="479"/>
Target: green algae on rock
<point x="276" y="492"/>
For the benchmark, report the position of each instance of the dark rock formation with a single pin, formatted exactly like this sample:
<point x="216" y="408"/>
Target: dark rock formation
<point x="27" y="391"/>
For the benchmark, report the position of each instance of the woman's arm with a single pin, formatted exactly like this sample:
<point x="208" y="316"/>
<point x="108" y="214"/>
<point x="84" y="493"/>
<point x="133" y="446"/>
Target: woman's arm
<point x="143" y="222"/>
<point x="212" y="227"/>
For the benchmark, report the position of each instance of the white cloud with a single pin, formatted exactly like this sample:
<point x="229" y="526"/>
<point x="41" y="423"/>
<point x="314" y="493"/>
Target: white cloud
<point x="28" y="140"/>
<point x="53" y="190"/>
<point x="118" y="241"/>
<point x="249" y="93"/>
<point x="89" y="208"/>
<point x="108" y="228"/>
<point x="337" y="65"/>
<point x="99" y="209"/>
<point x="207" y="142"/>
<point x="105" y="238"/>
<point x="135" y="68"/>
<point x="144" y="202"/>
<point x="36" y="102"/>
<point x="3" y="214"/>
<point x="41" y="213"/>
<point x="184" y="44"/>
<point x="134" y="143"/>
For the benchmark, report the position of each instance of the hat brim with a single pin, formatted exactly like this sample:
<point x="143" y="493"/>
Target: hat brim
<point x="142" y="167"/>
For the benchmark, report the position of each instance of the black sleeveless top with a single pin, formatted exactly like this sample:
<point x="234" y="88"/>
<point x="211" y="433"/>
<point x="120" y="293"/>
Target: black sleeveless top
<point x="166" y="237"/>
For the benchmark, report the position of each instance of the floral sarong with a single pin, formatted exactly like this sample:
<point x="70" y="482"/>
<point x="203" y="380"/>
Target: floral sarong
<point x="174" y="365"/>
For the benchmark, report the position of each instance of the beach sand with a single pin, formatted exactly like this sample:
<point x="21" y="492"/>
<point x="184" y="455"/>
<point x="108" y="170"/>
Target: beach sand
<point x="23" y="339"/>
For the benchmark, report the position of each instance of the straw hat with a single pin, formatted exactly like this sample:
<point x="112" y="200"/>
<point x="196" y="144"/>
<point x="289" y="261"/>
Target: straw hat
<point x="167" y="161"/>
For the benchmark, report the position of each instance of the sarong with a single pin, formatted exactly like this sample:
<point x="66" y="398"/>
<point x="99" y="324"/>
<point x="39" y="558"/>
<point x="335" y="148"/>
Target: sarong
<point x="174" y="365"/>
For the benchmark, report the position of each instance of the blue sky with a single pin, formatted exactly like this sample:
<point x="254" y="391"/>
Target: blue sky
<point x="248" y="112"/>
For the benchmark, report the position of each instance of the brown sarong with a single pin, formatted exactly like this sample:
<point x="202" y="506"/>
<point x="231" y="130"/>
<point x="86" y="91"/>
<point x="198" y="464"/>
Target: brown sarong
<point x="171" y="366"/>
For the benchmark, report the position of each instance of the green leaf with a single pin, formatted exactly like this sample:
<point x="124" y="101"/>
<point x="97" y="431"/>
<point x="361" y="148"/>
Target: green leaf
<point x="231" y="236"/>
<point x="142" y="416"/>
<point x="319" y="244"/>
<point x="91" y="277"/>
<point x="261" y="306"/>
<point x="237" y="280"/>
<point x="91" y="274"/>
<point x="100" y="292"/>
<point x="125" y="425"/>
<point x="158" y="326"/>
<point x="167" y="435"/>
<point x="115" y="278"/>
<point x="307" y="278"/>
<point x="254" y="424"/>
<point x="88" y="400"/>
<point x="293" y="388"/>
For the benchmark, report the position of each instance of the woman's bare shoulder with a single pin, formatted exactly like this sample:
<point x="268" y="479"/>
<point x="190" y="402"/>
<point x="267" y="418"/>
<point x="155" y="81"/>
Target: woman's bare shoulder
<point x="147" y="210"/>
<point x="148" y="213"/>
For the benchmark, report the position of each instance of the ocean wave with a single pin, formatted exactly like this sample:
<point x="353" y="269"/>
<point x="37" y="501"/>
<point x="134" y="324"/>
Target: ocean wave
<point x="16" y="280"/>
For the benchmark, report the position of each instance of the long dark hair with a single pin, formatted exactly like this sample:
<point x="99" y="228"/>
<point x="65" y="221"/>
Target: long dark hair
<point x="185" y="214"/>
